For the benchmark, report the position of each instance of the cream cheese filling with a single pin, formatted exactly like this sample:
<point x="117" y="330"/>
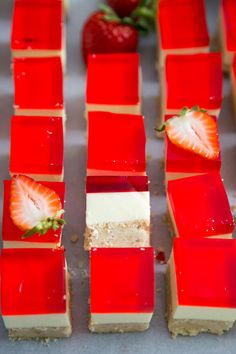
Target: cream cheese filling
<point x="117" y="207"/>
<point x="119" y="318"/>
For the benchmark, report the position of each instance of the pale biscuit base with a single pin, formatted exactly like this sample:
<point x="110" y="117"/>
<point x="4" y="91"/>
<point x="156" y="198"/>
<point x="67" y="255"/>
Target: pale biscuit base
<point x="127" y="234"/>
<point x="118" y="327"/>
<point x="39" y="333"/>
<point x="191" y="327"/>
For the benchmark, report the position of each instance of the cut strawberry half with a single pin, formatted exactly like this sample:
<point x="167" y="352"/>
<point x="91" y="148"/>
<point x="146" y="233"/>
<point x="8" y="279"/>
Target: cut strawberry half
<point x="194" y="130"/>
<point x="34" y="208"/>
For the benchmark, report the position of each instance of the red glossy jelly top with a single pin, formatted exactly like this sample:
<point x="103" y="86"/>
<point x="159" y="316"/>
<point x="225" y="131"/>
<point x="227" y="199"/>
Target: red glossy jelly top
<point x="104" y="184"/>
<point x="32" y="281"/>
<point x="205" y="272"/>
<point x="37" y="145"/>
<point x="182" y="161"/>
<point x="229" y="15"/>
<point x="38" y="83"/>
<point x="234" y="67"/>
<point x="182" y="24"/>
<point x="122" y="280"/>
<point x="28" y="29"/>
<point x="188" y="86"/>
<point x="116" y="142"/>
<point x="200" y="206"/>
<point x="113" y="79"/>
<point x="10" y="232"/>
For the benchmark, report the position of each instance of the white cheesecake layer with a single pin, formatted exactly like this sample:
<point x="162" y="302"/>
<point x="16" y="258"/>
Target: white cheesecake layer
<point x="119" y="318"/>
<point x="23" y="244"/>
<point x="40" y="112"/>
<point x="117" y="207"/>
<point x="196" y="312"/>
<point x="44" y="320"/>
<point x="38" y="177"/>
<point x="228" y="56"/>
<point x="94" y="172"/>
<point x="120" y="109"/>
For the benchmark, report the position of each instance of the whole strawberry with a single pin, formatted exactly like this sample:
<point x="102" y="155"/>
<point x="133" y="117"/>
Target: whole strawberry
<point x="124" y="7"/>
<point x="104" y="33"/>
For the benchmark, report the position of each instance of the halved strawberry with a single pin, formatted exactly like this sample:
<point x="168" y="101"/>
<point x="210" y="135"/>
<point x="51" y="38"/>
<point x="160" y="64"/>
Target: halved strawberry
<point x="194" y="130"/>
<point x="34" y="208"/>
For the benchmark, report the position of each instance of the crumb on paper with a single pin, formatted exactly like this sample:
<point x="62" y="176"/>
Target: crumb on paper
<point x="158" y="290"/>
<point x="85" y="274"/>
<point x="81" y="264"/>
<point x="156" y="193"/>
<point x="74" y="238"/>
<point x="149" y="157"/>
<point x="165" y="218"/>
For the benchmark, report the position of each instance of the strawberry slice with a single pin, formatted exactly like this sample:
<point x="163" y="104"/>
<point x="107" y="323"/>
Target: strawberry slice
<point x="194" y="130"/>
<point x="34" y="208"/>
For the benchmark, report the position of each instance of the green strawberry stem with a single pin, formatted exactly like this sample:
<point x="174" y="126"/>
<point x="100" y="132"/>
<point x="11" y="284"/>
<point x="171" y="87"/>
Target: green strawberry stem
<point x="142" y="18"/>
<point x="53" y="222"/>
<point x="183" y="112"/>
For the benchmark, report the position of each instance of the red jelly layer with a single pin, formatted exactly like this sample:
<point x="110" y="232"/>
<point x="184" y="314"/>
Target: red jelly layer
<point x="188" y="86"/>
<point x="178" y="160"/>
<point x="38" y="83"/>
<point x="122" y="280"/>
<point x="112" y="184"/>
<point x="32" y="282"/>
<point x="10" y="232"/>
<point x="205" y="272"/>
<point x="37" y="145"/>
<point x="28" y="29"/>
<point x="116" y="142"/>
<point x="234" y="68"/>
<point x="182" y="24"/>
<point x="200" y="206"/>
<point x="229" y="20"/>
<point x="113" y="79"/>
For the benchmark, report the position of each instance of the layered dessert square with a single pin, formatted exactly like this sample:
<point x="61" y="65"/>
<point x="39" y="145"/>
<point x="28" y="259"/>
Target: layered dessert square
<point x="180" y="163"/>
<point x="31" y="37"/>
<point x="37" y="147"/>
<point x="201" y="286"/>
<point x="38" y="86"/>
<point x="12" y="236"/>
<point x="182" y="28"/>
<point x="227" y="31"/>
<point x="233" y="84"/>
<point x="198" y="207"/>
<point x="117" y="212"/>
<point x="121" y="289"/>
<point x="35" y="297"/>
<point x="184" y="85"/>
<point x="116" y="144"/>
<point x="114" y="83"/>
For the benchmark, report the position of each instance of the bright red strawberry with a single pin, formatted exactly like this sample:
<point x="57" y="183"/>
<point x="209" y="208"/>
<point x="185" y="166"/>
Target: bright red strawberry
<point x="124" y="7"/>
<point x="100" y="35"/>
<point x="34" y="208"/>
<point x="196" y="131"/>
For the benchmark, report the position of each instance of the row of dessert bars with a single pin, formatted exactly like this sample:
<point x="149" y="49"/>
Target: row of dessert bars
<point x="35" y="297"/>
<point x="201" y="291"/>
<point x="117" y="197"/>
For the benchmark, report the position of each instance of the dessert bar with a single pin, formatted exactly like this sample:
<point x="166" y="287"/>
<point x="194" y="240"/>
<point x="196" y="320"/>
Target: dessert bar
<point x="37" y="147"/>
<point x="38" y="86"/>
<point x="183" y="85"/>
<point x="121" y="289"/>
<point x="201" y="288"/>
<point x="32" y="37"/>
<point x="182" y="28"/>
<point x="227" y="31"/>
<point x="12" y="236"/>
<point x="116" y="144"/>
<point x="198" y="207"/>
<point x="117" y="212"/>
<point x="114" y="83"/>
<point x="35" y="297"/>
